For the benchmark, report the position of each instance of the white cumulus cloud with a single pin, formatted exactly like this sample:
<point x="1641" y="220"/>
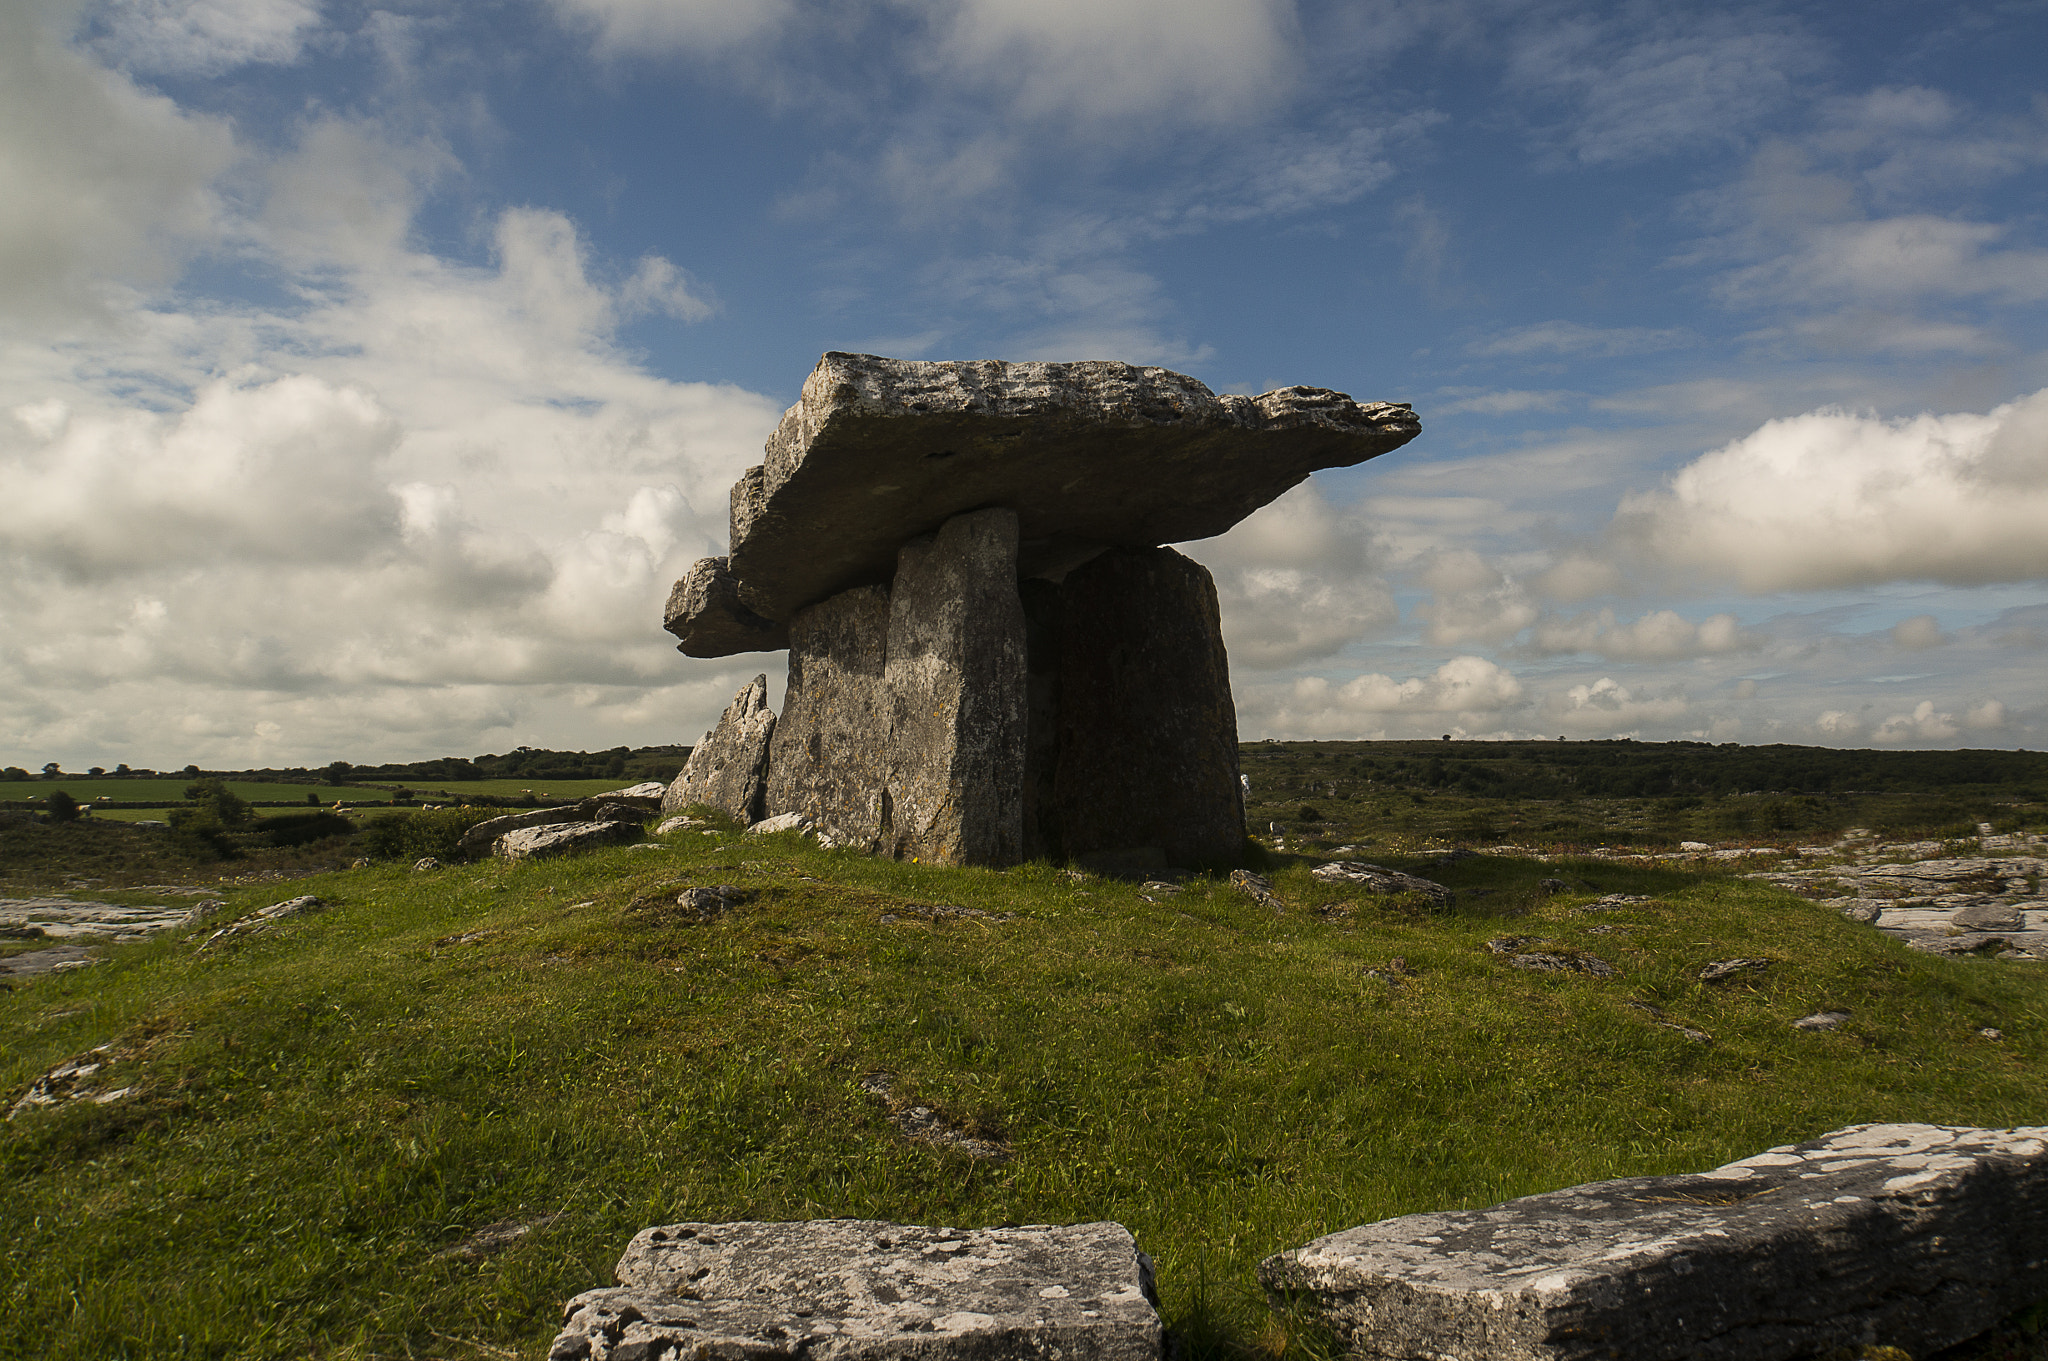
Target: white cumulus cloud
<point x="1834" y="499"/>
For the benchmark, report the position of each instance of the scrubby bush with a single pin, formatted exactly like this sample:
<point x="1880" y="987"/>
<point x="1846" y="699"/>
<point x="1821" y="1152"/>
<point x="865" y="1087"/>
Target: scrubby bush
<point x="412" y="836"/>
<point x="297" y="829"/>
<point x="63" y="808"/>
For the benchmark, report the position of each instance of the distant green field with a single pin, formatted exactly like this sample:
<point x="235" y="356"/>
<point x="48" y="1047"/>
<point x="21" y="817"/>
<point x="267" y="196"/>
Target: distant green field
<point x="570" y="789"/>
<point x="86" y="789"/>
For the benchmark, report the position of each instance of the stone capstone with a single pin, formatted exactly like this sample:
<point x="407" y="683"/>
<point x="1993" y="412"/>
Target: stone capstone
<point x="1145" y="749"/>
<point x="1909" y="1236"/>
<point x="1090" y="455"/>
<point x="954" y="673"/>
<point x="728" y="769"/>
<point x="829" y="759"/>
<point x="705" y="611"/>
<point x="563" y="838"/>
<point x="835" y="1290"/>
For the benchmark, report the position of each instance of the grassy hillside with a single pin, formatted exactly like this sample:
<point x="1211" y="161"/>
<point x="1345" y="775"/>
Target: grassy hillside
<point x="329" y="1110"/>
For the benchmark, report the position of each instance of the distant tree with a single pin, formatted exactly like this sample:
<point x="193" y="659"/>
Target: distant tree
<point x="615" y="767"/>
<point x="97" y="771"/>
<point x="15" y="773"/>
<point x="338" y="772"/>
<point x="122" y="769"/>
<point x="63" y="808"/>
<point x="50" y="771"/>
<point x="190" y="772"/>
<point x="229" y="809"/>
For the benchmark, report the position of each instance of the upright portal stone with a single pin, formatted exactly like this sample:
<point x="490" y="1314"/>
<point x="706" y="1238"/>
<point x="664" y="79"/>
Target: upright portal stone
<point x="830" y="757"/>
<point x="729" y="768"/>
<point x="1146" y="749"/>
<point x="955" y="676"/>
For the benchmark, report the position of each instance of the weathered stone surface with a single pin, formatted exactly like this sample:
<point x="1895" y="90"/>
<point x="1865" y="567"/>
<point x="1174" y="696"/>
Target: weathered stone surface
<point x="839" y="1289"/>
<point x="705" y="611"/>
<point x="1146" y="752"/>
<point x="729" y="768"/>
<point x="1090" y="454"/>
<point x="1380" y="879"/>
<point x="647" y="794"/>
<point x="1912" y="1236"/>
<point x="479" y="839"/>
<point x="563" y="838"/>
<point x="830" y="756"/>
<point x="955" y="680"/>
<point x="781" y="822"/>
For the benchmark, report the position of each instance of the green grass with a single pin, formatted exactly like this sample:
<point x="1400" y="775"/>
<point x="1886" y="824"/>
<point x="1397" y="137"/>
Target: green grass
<point x="328" y="1107"/>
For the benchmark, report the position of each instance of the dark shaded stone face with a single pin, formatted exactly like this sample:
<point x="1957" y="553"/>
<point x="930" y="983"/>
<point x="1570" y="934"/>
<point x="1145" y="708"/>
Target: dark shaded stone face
<point x="1146" y="737"/>
<point x="1089" y="455"/>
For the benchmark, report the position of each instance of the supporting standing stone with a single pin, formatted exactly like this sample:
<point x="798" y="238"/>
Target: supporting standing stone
<point x="1909" y="1236"/>
<point x="1147" y="743"/>
<point x="955" y="677"/>
<point x="866" y="1290"/>
<point x="830" y="756"/>
<point x="729" y="768"/>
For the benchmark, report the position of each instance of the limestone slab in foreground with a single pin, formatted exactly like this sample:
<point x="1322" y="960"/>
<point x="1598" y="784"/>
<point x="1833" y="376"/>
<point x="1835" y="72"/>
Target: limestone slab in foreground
<point x="845" y="1288"/>
<point x="1911" y="1236"/>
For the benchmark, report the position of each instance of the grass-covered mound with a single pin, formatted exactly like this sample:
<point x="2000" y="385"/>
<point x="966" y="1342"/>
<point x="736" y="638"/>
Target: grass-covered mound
<point x="328" y="1110"/>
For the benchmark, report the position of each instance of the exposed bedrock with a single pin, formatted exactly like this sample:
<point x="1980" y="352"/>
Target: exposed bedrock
<point x="955" y="680"/>
<point x="1909" y="1236"/>
<point x="1089" y="455"/>
<point x="829" y="760"/>
<point x="728" y="769"/>
<point x="1145" y="744"/>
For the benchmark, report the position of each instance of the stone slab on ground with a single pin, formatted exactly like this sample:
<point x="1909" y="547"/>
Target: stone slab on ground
<point x="837" y="1289"/>
<point x="1910" y="1236"/>
<point x="1379" y="879"/>
<point x="1946" y="904"/>
<point x="480" y="838"/>
<point x="563" y="838"/>
<point x="1090" y="455"/>
<point x="728" y="769"/>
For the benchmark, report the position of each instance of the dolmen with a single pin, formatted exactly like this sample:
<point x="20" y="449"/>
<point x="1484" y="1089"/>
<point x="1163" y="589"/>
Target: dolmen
<point x="992" y="656"/>
<point x="1915" y="1237"/>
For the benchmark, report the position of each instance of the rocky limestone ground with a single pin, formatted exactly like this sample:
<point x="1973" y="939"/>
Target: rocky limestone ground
<point x="73" y="925"/>
<point x="1934" y="896"/>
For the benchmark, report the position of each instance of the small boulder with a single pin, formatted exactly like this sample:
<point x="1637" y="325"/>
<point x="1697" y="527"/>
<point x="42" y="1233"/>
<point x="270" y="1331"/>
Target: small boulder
<point x="781" y="822"/>
<point x="1722" y="969"/>
<point x="1380" y="879"/>
<point x="480" y="838"/>
<point x="534" y="843"/>
<point x="1821" y="1020"/>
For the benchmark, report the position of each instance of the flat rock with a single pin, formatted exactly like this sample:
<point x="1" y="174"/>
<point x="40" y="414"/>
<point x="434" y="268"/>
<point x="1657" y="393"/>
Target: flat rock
<point x="1380" y="879"/>
<point x="484" y="835"/>
<point x="847" y="1288"/>
<point x="1089" y="455"/>
<point x="1910" y="1236"/>
<point x="564" y="838"/>
<point x="728" y="769"/>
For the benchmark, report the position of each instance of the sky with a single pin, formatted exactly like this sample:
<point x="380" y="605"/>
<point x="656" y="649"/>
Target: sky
<point x="368" y="372"/>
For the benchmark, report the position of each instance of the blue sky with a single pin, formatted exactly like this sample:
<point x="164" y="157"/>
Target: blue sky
<point x="371" y="371"/>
